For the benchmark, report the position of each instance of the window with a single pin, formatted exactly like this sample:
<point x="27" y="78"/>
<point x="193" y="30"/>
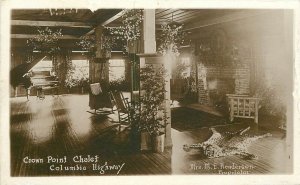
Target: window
<point x="78" y="75"/>
<point x="81" y="69"/>
<point x="116" y="69"/>
<point x="81" y="66"/>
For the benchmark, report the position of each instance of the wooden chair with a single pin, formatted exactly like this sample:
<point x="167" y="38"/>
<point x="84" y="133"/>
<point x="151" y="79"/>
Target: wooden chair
<point x="242" y="106"/>
<point x="123" y="108"/>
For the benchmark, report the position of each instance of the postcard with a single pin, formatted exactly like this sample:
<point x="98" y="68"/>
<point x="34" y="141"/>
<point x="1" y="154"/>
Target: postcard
<point x="115" y="93"/>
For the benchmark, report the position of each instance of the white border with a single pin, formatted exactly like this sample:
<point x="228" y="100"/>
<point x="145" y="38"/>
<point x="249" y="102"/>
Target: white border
<point x="7" y="5"/>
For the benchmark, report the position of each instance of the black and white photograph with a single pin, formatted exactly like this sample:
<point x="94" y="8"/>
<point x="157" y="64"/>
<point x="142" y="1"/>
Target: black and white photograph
<point x="150" y="91"/>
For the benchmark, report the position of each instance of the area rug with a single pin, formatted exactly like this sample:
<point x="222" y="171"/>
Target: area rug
<point x="184" y="119"/>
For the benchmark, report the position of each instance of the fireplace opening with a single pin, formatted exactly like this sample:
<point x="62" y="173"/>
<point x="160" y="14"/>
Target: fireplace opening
<point x="217" y="90"/>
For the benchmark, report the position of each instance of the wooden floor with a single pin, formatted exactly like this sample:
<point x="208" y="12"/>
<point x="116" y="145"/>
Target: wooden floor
<point x="271" y="153"/>
<point x="60" y="126"/>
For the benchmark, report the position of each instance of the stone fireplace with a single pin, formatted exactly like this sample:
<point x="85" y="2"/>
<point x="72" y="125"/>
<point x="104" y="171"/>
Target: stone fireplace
<point x="221" y="80"/>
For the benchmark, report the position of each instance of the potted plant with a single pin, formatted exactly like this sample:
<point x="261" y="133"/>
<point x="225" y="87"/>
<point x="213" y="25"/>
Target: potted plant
<point x="171" y="38"/>
<point x="130" y="30"/>
<point x="152" y="117"/>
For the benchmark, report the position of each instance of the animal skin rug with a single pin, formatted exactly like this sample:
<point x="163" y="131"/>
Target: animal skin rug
<point x="229" y="144"/>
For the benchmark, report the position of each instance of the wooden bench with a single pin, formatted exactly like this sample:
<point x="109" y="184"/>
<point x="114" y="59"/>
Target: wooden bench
<point x="242" y="106"/>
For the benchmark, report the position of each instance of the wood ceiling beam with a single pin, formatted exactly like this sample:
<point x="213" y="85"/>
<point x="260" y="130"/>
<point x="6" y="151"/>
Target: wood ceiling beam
<point x="110" y="20"/>
<point x="113" y="18"/>
<point x="90" y="32"/>
<point x="50" y="23"/>
<point x="30" y="36"/>
<point x="219" y="20"/>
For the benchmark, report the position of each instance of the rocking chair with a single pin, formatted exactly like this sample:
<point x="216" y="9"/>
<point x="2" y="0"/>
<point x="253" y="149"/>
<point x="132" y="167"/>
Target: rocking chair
<point x="100" y="100"/>
<point x="123" y="108"/>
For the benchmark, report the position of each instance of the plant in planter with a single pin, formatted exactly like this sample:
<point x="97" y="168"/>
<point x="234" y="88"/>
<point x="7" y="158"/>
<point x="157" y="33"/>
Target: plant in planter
<point x="132" y="19"/>
<point x="152" y="117"/>
<point x="130" y="30"/>
<point x="171" y="38"/>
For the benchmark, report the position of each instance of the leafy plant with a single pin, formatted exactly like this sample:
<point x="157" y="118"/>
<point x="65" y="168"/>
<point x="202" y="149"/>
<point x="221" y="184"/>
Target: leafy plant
<point x="45" y="41"/>
<point x="132" y="19"/>
<point x="130" y="30"/>
<point x="131" y="25"/>
<point x="76" y="77"/>
<point x="211" y="56"/>
<point x="171" y="38"/>
<point x="118" y="37"/>
<point x="87" y="43"/>
<point x="62" y="64"/>
<point x="271" y="103"/>
<point x="119" y="85"/>
<point x="152" y="116"/>
<point x="108" y="41"/>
